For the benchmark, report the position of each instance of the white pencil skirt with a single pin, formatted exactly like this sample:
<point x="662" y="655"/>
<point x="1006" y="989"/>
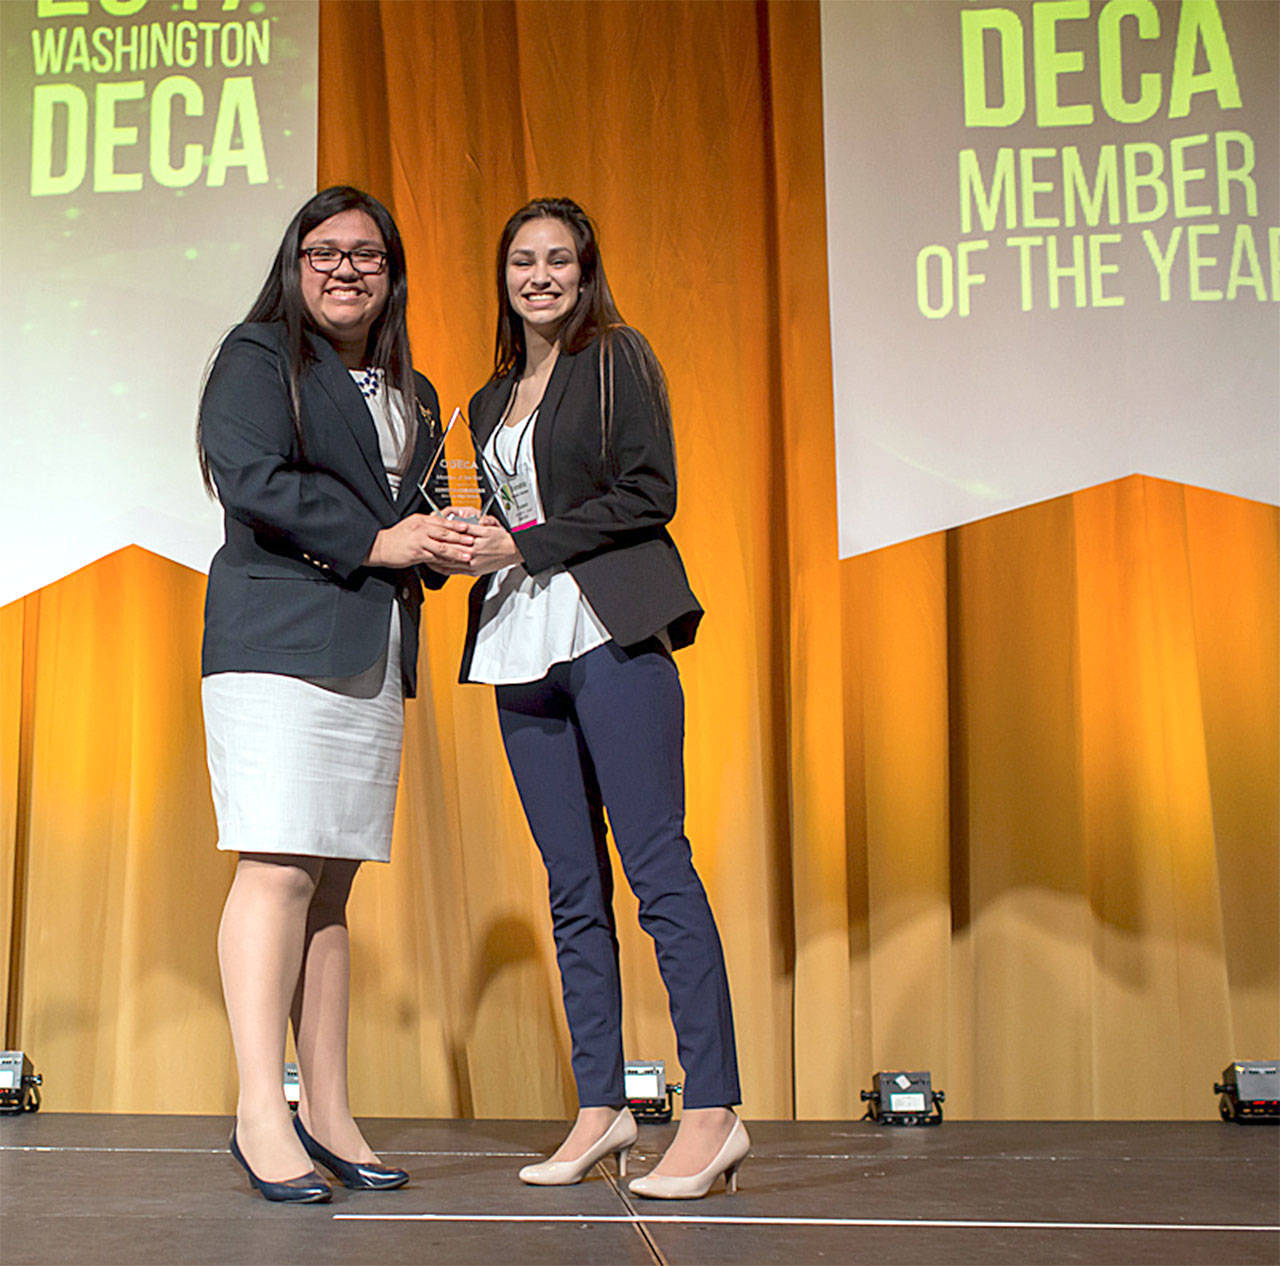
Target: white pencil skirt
<point x="306" y="766"/>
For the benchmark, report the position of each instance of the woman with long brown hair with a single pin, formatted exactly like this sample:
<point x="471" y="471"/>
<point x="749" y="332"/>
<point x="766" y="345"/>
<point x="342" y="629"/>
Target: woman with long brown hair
<point x="309" y="434"/>
<point x="582" y="601"/>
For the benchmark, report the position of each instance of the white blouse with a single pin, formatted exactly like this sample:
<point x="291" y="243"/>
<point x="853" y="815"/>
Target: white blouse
<point x="528" y="623"/>
<point x="392" y="421"/>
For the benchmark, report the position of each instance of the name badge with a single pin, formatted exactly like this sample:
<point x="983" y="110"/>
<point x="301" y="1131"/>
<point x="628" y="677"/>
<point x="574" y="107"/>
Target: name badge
<point x="519" y="505"/>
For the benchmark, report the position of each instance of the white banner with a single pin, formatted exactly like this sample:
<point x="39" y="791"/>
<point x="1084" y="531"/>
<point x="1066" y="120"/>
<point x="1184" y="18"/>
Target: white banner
<point x="1053" y="252"/>
<point x="153" y="152"/>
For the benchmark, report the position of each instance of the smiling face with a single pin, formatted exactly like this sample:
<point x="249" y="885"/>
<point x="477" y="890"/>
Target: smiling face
<point x="344" y="304"/>
<point x="543" y="276"/>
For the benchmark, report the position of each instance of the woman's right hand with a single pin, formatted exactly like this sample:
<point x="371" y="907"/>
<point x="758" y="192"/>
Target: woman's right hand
<point x="422" y="538"/>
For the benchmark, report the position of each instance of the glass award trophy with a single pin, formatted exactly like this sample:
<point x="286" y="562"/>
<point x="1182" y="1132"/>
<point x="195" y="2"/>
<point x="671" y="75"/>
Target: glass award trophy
<point x="453" y="479"/>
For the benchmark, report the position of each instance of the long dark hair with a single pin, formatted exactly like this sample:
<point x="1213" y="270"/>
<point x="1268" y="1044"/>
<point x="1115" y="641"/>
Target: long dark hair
<point x="280" y="299"/>
<point x="595" y="316"/>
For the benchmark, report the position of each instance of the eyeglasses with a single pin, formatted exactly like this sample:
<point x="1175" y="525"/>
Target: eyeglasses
<point x="327" y="259"/>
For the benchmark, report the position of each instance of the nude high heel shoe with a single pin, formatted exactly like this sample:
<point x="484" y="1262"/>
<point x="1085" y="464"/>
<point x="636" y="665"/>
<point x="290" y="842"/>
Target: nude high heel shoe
<point x="617" y="1138"/>
<point x="728" y="1160"/>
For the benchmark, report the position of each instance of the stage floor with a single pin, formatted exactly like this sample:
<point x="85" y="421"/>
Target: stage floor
<point x="108" y="1190"/>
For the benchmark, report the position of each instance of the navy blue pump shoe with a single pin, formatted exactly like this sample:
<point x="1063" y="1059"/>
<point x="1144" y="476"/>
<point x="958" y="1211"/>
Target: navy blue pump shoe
<point x="359" y="1177"/>
<point x="309" y="1189"/>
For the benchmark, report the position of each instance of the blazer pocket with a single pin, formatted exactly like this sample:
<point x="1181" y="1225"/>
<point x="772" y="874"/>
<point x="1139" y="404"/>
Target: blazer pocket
<point x="288" y="612"/>
<point x="282" y="571"/>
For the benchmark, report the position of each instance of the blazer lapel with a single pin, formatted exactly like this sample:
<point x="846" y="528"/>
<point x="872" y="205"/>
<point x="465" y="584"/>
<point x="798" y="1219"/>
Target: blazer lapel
<point x="492" y="403"/>
<point x="542" y="431"/>
<point x="425" y="426"/>
<point x="336" y="379"/>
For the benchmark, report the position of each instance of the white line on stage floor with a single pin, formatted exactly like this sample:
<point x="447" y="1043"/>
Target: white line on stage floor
<point x="879" y="1158"/>
<point x="684" y="1220"/>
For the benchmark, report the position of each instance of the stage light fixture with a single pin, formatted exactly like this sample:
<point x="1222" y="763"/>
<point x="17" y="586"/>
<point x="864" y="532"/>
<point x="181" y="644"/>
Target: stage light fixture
<point x="19" y="1083"/>
<point x="649" y="1094"/>
<point x="292" y="1086"/>
<point x="903" y="1098"/>
<point x="1250" y="1091"/>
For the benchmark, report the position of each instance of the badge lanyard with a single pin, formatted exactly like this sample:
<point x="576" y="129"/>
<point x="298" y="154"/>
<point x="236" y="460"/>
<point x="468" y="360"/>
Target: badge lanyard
<point x="515" y="490"/>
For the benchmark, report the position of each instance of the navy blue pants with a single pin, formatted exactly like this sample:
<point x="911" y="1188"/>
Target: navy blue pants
<point x="606" y="731"/>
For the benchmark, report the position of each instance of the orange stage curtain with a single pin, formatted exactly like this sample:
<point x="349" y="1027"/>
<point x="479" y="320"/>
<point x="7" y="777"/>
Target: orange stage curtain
<point x="1000" y="802"/>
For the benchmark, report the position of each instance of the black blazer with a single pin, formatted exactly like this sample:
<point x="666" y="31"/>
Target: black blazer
<point x="288" y="592"/>
<point x="606" y="515"/>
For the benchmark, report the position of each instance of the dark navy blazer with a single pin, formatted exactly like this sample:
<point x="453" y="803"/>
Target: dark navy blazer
<point x="288" y="591"/>
<point x="606" y="513"/>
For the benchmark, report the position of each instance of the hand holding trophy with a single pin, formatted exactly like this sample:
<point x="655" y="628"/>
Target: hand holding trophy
<point x="463" y="491"/>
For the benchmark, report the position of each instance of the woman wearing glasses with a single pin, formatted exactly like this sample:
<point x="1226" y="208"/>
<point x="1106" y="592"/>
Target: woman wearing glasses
<point x="575" y="626"/>
<point x="312" y="433"/>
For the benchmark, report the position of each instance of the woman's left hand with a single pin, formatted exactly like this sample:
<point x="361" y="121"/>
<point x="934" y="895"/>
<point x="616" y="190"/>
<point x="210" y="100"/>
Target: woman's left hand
<point x="492" y="548"/>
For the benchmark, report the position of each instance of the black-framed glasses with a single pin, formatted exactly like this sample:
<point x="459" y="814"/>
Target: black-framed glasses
<point x="328" y="259"/>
